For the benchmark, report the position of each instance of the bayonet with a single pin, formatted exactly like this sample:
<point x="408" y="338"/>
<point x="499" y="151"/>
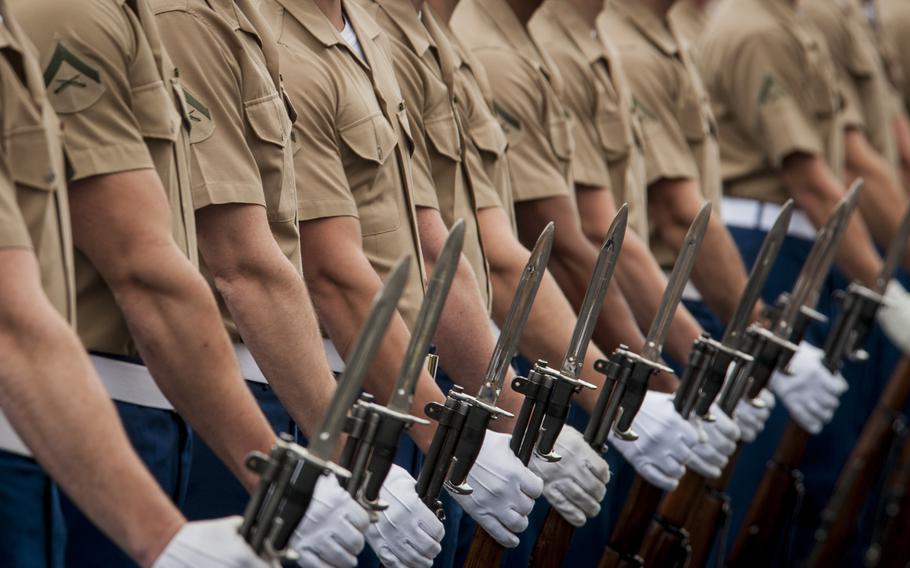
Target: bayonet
<point x="289" y="474"/>
<point x="374" y="430"/>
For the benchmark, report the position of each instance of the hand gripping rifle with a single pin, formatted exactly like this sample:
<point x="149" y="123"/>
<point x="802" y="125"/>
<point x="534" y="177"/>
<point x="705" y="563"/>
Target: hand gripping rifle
<point x="666" y="543"/>
<point x="548" y="392"/>
<point x="374" y="430"/>
<point x="288" y="475"/>
<point x="779" y="491"/>
<point x="859" y="307"/>
<point x="463" y="419"/>
<point x="643" y="498"/>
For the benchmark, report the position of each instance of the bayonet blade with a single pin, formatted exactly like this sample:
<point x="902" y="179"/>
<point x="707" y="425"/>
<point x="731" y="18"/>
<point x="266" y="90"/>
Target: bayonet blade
<point x="323" y="444"/>
<point x="594" y="297"/>
<point x="682" y="269"/>
<point x="770" y="248"/>
<point x="427" y="319"/>
<point x="507" y="343"/>
<point x="894" y="255"/>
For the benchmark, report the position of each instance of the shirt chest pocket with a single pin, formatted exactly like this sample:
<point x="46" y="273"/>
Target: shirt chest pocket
<point x="820" y="82"/>
<point x="692" y="113"/>
<point x="442" y="132"/>
<point x="271" y="126"/>
<point x="489" y="138"/>
<point x="374" y="180"/>
<point x="155" y="111"/>
<point x="559" y="129"/>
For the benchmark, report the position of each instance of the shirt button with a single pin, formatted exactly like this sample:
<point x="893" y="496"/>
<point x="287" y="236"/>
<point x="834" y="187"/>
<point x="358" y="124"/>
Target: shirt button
<point x="379" y="151"/>
<point x="51" y="176"/>
<point x="401" y="105"/>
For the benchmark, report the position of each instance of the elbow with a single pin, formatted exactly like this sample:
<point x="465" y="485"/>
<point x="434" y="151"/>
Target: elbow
<point x="252" y="277"/>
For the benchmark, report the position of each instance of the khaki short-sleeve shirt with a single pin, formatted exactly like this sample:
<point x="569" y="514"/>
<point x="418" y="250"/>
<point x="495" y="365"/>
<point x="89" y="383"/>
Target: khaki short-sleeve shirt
<point x="240" y="144"/>
<point x="425" y="64"/>
<point x="679" y="134"/>
<point x="775" y="93"/>
<point x="866" y="84"/>
<point x="526" y="90"/>
<point x="353" y="139"/>
<point x="606" y="131"/>
<point x="33" y="205"/>
<point x="894" y="22"/>
<point x="122" y="108"/>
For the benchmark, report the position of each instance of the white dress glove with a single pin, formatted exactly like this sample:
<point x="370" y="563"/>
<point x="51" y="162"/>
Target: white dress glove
<point x="332" y="531"/>
<point x="894" y="316"/>
<point x="504" y="491"/>
<point x="750" y="418"/>
<point x="664" y="444"/>
<point x="716" y="441"/>
<point x="407" y="534"/>
<point x="576" y="484"/>
<point x="210" y="544"/>
<point x="809" y="392"/>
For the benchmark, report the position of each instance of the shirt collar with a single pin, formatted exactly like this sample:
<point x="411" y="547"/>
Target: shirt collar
<point x="407" y="19"/>
<point x="582" y="33"/>
<point x="311" y="17"/>
<point x="656" y="30"/>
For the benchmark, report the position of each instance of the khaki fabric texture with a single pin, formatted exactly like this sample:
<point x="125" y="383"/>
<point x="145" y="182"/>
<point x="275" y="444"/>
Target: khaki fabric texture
<point x="122" y="108"/>
<point x="775" y="93"/>
<point x="527" y="89"/>
<point x="486" y="156"/>
<point x="606" y="131"/>
<point x="870" y="96"/>
<point x="425" y="64"/>
<point x="894" y="17"/>
<point x="34" y="211"/>
<point x="240" y="145"/>
<point x="353" y="139"/>
<point x="679" y="134"/>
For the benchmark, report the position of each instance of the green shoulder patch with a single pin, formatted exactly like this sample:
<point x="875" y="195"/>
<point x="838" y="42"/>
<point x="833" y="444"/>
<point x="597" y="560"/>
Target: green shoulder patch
<point x="201" y="124"/>
<point x="771" y="90"/>
<point x="508" y="122"/>
<point x="72" y="83"/>
<point x="644" y="113"/>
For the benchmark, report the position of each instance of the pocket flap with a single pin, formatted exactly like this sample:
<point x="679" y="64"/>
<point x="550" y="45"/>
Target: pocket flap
<point x="615" y="135"/>
<point x="443" y="134"/>
<point x="489" y="137"/>
<point x="371" y="138"/>
<point x="268" y="119"/>
<point x="29" y="158"/>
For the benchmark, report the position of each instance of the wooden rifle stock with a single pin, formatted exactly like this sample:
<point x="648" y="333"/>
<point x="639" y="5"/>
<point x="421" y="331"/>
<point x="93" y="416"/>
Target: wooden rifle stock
<point x="666" y="543"/>
<point x="891" y="547"/>
<point x="632" y="525"/>
<point x="485" y="552"/>
<point x="553" y="542"/>
<point x="775" y="499"/>
<point x="861" y="471"/>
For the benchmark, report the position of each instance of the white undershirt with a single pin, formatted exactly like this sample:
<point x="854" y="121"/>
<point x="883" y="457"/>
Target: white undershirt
<point x="351" y="38"/>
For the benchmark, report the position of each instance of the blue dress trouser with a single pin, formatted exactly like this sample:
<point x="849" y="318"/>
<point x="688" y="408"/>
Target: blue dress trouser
<point x="32" y="531"/>
<point x="164" y="444"/>
<point x="213" y="491"/>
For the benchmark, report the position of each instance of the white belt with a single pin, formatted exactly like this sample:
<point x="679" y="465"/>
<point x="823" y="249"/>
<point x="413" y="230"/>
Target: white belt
<point x="336" y="363"/>
<point x="248" y="367"/>
<point x="690" y="292"/>
<point x="129" y="382"/>
<point x="751" y="214"/>
<point x="9" y="440"/>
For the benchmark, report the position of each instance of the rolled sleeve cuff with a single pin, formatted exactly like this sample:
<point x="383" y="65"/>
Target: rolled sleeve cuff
<point x="223" y="193"/>
<point x="311" y="209"/>
<point x="787" y="131"/>
<point x="102" y="160"/>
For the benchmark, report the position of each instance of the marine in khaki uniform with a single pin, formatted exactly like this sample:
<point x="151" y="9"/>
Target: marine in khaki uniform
<point x="244" y="193"/>
<point x="356" y="197"/>
<point x="894" y="19"/>
<point x="52" y="396"/>
<point x="780" y="114"/>
<point x="679" y="137"/>
<point x="139" y="296"/>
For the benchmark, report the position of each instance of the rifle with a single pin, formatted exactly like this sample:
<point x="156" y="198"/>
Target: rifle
<point x="856" y="481"/>
<point x="781" y="488"/>
<point x="548" y="392"/>
<point x="627" y="395"/>
<point x="288" y="475"/>
<point x="666" y="540"/>
<point x="374" y="430"/>
<point x="463" y="419"/>
<point x="890" y="546"/>
<point x="771" y="350"/>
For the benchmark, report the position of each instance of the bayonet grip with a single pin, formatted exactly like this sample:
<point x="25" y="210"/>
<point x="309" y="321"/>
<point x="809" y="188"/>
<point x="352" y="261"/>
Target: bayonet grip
<point x="560" y="401"/>
<point x="690" y="390"/>
<point x="436" y="464"/>
<point x="600" y="406"/>
<point x="385" y="445"/>
<point x="634" y="395"/>
<point x="295" y="504"/>
<point x="715" y="376"/>
<point x="617" y="371"/>
<point x="469" y="443"/>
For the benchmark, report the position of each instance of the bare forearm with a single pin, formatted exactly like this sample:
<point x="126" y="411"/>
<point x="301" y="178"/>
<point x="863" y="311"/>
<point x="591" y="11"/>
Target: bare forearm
<point x="902" y="133"/>
<point x="63" y="414"/>
<point x="176" y="324"/>
<point x="719" y="272"/>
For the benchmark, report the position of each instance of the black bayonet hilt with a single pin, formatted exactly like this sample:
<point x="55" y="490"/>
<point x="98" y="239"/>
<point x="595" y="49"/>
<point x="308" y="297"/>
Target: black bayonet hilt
<point x="725" y="361"/>
<point x="858" y="306"/>
<point x="739" y="377"/>
<point x="462" y="425"/>
<point x="288" y="477"/>
<point x="771" y="353"/>
<point x="373" y="432"/>
<point x="690" y="390"/>
<point x="627" y="375"/>
<point x="547" y="399"/>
